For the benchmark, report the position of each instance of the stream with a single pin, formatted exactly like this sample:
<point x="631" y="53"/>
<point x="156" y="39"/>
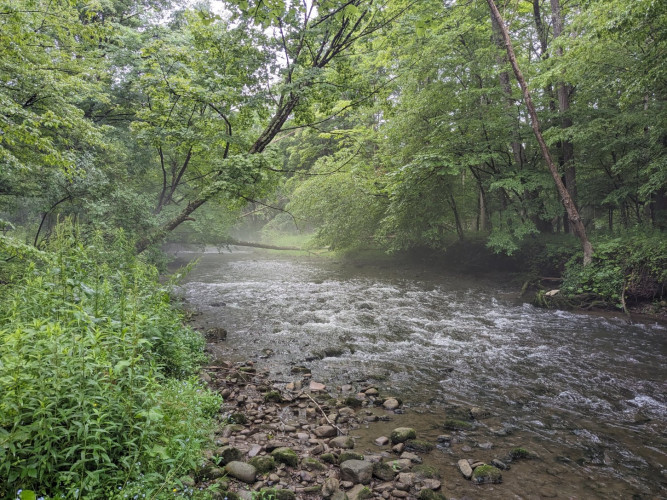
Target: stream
<point x="586" y="393"/>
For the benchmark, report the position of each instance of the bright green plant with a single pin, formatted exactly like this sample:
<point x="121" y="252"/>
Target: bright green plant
<point x="634" y="265"/>
<point x="87" y="340"/>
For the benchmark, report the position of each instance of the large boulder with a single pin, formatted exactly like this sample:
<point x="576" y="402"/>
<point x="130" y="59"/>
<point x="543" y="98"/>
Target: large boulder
<point x="356" y="471"/>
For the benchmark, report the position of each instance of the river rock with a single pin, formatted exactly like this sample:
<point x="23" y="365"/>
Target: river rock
<point x="254" y="450"/>
<point x="217" y="334"/>
<point x="263" y="464"/>
<point x="501" y="465"/>
<point x="415" y="459"/>
<point x="356" y="471"/>
<point x="487" y="474"/>
<point x="344" y="442"/>
<point x="359" y="492"/>
<point x="349" y="455"/>
<point x="477" y="412"/>
<point x="552" y="293"/>
<point x="465" y="468"/>
<point x="384" y="471"/>
<point x="402" y="434"/>
<point x="227" y="454"/>
<point x="275" y="494"/>
<point x="400" y="465"/>
<point x="407" y="479"/>
<point x="324" y="431"/>
<point x="311" y="463"/>
<point x="285" y="455"/>
<point x="431" y="484"/>
<point x="382" y="441"/>
<point x="316" y="386"/>
<point x="241" y="471"/>
<point x="391" y="404"/>
<point x="398" y="448"/>
<point x="330" y="486"/>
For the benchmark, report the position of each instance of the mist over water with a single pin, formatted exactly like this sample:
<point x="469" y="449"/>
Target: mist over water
<point x="588" y="390"/>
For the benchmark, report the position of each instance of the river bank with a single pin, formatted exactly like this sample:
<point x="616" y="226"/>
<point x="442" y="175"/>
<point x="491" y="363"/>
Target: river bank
<point x="306" y="440"/>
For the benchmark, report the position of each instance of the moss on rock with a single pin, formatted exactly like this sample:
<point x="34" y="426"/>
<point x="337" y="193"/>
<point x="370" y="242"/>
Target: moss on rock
<point x="453" y="424"/>
<point x="419" y="446"/>
<point x="285" y="456"/>
<point x="487" y="474"/>
<point x="263" y="464"/>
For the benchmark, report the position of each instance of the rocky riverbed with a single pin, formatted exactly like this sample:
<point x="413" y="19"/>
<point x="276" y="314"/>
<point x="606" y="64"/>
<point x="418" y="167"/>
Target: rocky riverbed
<point x="301" y="439"/>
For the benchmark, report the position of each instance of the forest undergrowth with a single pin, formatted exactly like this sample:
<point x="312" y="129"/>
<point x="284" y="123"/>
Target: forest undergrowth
<point x="98" y="390"/>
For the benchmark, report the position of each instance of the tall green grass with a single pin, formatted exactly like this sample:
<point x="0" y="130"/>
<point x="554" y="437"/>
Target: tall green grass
<point x="98" y="397"/>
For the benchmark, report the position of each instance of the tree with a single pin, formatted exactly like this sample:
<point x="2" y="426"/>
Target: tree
<point x="570" y="207"/>
<point x="311" y="38"/>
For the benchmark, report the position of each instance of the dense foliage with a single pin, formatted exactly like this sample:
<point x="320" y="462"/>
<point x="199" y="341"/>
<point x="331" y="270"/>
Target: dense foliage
<point x="392" y="124"/>
<point x="96" y="369"/>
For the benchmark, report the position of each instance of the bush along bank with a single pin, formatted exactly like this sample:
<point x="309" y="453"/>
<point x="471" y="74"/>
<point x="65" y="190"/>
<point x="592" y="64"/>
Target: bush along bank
<point x="628" y="273"/>
<point x="98" y="390"/>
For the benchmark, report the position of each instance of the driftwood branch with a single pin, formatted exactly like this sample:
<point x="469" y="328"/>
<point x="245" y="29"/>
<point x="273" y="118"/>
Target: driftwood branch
<point x="324" y="414"/>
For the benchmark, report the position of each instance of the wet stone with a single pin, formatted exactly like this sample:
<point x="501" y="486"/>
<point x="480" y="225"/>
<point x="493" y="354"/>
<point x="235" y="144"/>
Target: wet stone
<point x="324" y="431"/>
<point x="402" y="434"/>
<point x="383" y="471"/>
<point x="391" y="403"/>
<point x="286" y="456"/>
<point x="344" y="442"/>
<point x="316" y="386"/>
<point x="349" y="455"/>
<point x="359" y="492"/>
<point x="330" y="486"/>
<point x="398" y="448"/>
<point x="382" y="441"/>
<point x="356" y="471"/>
<point x="227" y="454"/>
<point x="415" y="459"/>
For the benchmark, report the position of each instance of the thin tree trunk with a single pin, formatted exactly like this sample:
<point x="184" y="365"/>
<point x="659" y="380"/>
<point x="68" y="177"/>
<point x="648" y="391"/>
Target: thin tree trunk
<point x="457" y="219"/>
<point x="563" y="91"/>
<point x="568" y="203"/>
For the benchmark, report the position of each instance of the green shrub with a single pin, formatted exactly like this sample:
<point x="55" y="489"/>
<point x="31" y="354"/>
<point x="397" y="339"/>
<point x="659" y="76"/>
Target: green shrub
<point x="87" y="342"/>
<point x="634" y="264"/>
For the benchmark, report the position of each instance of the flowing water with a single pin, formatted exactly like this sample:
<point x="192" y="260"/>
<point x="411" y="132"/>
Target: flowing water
<point x="586" y="393"/>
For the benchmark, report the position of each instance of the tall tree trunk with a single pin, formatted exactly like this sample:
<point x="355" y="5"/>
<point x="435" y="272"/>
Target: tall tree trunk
<point x="572" y="212"/>
<point x="504" y="77"/>
<point x="563" y="91"/>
